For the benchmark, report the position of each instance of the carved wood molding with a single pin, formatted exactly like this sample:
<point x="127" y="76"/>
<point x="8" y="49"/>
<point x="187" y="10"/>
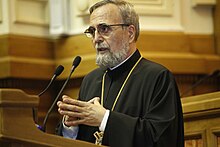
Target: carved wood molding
<point x="34" y="12"/>
<point x="153" y="7"/>
<point x="201" y="105"/>
<point x="195" y="138"/>
<point x="1" y="11"/>
<point x="143" y="7"/>
<point x="215" y="135"/>
<point x="201" y="117"/>
<point x="203" y="2"/>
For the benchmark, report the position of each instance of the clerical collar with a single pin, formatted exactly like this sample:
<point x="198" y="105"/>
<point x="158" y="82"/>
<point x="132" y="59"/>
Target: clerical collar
<point x="125" y="66"/>
<point x="124" y="83"/>
<point x="121" y="62"/>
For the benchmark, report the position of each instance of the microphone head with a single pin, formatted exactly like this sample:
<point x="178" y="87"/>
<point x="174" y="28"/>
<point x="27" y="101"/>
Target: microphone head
<point x="59" y="70"/>
<point x="76" y="61"/>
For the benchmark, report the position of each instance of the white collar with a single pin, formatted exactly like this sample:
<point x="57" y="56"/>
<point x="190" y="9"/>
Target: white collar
<point x="121" y="62"/>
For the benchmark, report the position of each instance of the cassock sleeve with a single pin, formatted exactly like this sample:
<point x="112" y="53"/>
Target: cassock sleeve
<point x="158" y="127"/>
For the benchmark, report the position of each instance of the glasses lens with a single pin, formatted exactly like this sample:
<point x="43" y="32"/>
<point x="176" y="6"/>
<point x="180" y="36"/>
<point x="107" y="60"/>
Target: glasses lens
<point x="104" y="29"/>
<point x="90" y="32"/>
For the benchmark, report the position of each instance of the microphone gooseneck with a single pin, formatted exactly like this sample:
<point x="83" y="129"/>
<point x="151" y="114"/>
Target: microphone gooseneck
<point x="57" y="72"/>
<point x="76" y="62"/>
<point x="213" y="74"/>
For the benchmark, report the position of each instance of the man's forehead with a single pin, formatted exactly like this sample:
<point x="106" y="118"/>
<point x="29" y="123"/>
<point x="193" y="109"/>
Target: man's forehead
<point x="108" y="13"/>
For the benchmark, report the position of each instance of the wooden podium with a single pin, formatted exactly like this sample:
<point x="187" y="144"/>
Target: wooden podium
<point x="202" y="120"/>
<point x="17" y="128"/>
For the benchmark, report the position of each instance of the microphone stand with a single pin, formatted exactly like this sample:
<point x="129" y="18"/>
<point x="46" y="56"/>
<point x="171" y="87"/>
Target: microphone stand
<point x="213" y="74"/>
<point x="75" y="64"/>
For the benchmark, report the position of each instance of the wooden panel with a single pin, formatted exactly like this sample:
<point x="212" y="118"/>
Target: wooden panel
<point x="194" y="143"/>
<point x="68" y="48"/>
<point x="20" y="130"/>
<point x="218" y="141"/>
<point x="87" y="64"/>
<point x="207" y="85"/>
<point x="26" y="46"/>
<point x="185" y="63"/>
<point x="202" y="44"/>
<point x="201" y="118"/>
<point x="26" y="57"/>
<point x="168" y="41"/>
<point x="174" y="50"/>
<point x="34" y="87"/>
<point x="72" y="46"/>
<point x="217" y="26"/>
<point x="3" y="46"/>
<point x="148" y="41"/>
<point x="5" y="68"/>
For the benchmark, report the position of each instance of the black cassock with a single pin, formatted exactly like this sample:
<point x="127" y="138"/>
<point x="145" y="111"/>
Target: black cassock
<point x="148" y="112"/>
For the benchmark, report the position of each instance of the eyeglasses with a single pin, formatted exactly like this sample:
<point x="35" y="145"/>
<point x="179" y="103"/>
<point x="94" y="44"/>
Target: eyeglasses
<point x="103" y="29"/>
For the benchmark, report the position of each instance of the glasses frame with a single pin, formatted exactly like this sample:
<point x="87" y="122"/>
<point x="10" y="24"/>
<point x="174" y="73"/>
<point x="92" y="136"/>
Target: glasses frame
<point x="90" y="35"/>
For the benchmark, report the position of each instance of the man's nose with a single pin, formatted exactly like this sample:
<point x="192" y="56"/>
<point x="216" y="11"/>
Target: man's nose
<point x="97" y="37"/>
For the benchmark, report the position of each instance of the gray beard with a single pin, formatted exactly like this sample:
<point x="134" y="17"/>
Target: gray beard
<point x="111" y="59"/>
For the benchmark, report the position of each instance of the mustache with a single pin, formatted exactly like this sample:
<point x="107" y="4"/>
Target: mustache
<point x="97" y="46"/>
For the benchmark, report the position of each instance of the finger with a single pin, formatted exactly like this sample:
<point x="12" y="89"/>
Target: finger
<point x="58" y="103"/>
<point x="75" y="122"/>
<point x="74" y="114"/>
<point x="65" y="96"/>
<point x="75" y="102"/>
<point x="70" y="107"/>
<point x="69" y="118"/>
<point x="93" y="99"/>
<point x="96" y="101"/>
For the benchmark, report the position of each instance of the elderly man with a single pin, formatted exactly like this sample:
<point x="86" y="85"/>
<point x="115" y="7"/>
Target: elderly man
<point x="129" y="101"/>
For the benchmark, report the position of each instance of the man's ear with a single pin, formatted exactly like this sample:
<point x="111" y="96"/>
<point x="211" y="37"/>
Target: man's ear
<point x="131" y="31"/>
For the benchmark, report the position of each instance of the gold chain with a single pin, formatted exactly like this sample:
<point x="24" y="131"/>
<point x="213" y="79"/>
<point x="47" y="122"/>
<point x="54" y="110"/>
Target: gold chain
<point x="122" y="87"/>
<point x="99" y="135"/>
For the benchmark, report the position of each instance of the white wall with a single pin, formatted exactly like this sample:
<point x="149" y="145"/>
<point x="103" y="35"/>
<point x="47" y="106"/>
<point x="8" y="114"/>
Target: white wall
<point x="25" y="17"/>
<point x="197" y="19"/>
<point x="4" y="22"/>
<point x="31" y="17"/>
<point x="158" y="15"/>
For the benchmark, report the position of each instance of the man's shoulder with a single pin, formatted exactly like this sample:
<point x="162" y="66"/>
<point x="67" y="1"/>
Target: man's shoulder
<point x="149" y="65"/>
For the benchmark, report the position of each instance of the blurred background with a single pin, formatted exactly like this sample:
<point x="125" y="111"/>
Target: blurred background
<point x="38" y="35"/>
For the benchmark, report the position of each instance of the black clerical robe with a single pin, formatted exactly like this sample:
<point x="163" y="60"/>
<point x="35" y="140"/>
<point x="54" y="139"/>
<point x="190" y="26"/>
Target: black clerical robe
<point x="148" y="112"/>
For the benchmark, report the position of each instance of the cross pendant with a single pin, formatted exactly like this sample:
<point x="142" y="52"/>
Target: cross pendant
<point x="98" y="136"/>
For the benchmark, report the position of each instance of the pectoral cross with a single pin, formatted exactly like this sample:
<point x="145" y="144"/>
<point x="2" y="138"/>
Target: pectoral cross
<point x="98" y="135"/>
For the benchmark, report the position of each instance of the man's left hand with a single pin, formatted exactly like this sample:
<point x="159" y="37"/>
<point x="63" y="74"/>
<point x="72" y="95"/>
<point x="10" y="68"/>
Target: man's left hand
<point x="88" y="113"/>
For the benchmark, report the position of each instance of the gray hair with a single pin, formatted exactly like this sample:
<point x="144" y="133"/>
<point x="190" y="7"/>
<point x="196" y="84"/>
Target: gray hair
<point x="129" y="15"/>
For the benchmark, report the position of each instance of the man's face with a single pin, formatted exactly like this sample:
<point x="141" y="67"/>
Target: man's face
<point x="111" y="43"/>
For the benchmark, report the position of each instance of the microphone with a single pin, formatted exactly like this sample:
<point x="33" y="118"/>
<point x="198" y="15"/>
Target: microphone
<point x="213" y="74"/>
<point x="57" y="72"/>
<point x="76" y="62"/>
